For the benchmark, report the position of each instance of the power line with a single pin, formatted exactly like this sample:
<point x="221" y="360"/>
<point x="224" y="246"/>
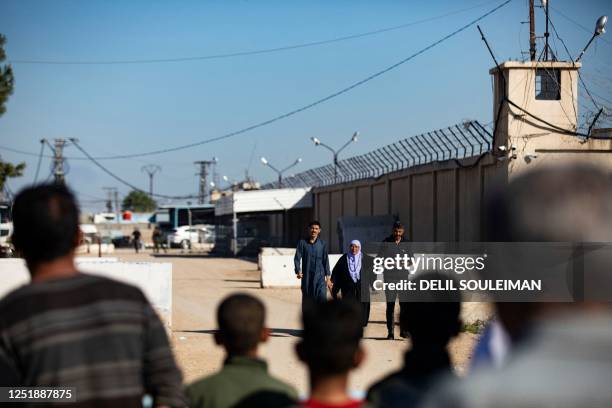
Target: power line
<point x="251" y="52"/>
<point x="305" y="107"/>
<point x="119" y="179"/>
<point x="571" y="20"/>
<point x="313" y="104"/>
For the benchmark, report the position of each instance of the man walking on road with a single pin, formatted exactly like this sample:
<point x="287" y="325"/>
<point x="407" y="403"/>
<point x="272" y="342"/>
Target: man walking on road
<point x="393" y="247"/>
<point x="136" y="239"/>
<point x="312" y="265"/>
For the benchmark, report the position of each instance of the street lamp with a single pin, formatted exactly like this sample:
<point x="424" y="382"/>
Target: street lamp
<point x="600" y="28"/>
<point x="265" y="162"/>
<point x="317" y="142"/>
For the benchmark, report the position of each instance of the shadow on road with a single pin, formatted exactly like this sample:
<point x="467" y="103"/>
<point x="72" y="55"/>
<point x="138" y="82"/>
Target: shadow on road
<point x="274" y="332"/>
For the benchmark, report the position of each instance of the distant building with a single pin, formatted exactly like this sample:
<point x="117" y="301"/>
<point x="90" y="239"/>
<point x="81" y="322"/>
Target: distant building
<point x="248" y="220"/>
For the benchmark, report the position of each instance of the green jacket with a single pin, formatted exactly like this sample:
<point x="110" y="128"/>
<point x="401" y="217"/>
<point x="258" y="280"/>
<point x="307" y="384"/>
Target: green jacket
<point x="242" y="382"/>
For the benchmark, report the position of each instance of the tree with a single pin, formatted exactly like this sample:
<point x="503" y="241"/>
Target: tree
<point x="6" y="89"/>
<point x="138" y="201"/>
<point x="6" y="77"/>
<point x="9" y="170"/>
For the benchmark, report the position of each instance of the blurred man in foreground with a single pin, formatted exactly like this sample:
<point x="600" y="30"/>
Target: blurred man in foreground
<point x="68" y="329"/>
<point x="562" y="352"/>
<point x="244" y="380"/>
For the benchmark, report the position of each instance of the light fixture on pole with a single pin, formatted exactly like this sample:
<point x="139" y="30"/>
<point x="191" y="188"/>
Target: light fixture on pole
<point x="265" y="162"/>
<point x="318" y="142"/>
<point x="600" y="28"/>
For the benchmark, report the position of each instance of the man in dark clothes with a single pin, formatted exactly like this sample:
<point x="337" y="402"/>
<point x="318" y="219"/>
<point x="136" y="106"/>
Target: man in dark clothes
<point x="351" y="274"/>
<point x="136" y="239"/>
<point x="431" y="325"/>
<point x="69" y="329"/>
<point x="312" y="265"/>
<point x="391" y="275"/>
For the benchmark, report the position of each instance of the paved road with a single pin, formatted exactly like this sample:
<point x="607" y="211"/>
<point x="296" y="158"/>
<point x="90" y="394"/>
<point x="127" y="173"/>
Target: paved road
<point x="199" y="283"/>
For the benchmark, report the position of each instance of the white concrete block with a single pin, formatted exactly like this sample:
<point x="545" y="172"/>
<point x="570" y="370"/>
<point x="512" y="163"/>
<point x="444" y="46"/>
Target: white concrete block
<point x="277" y="269"/>
<point x="154" y="279"/>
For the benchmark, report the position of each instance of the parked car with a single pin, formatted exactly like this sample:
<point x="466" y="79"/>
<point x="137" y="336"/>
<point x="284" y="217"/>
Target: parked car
<point x="184" y="236"/>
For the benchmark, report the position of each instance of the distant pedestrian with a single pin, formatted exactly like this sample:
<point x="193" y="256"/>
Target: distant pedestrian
<point x="136" y="239"/>
<point x="312" y="265"/>
<point x="244" y="380"/>
<point x="352" y="273"/>
<point x="69" y="329"/>
<point x="331" y="349"/>
<point x="158" y="240"/>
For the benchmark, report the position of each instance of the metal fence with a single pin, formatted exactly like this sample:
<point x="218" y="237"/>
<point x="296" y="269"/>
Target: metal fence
<point x="461" y="141"/>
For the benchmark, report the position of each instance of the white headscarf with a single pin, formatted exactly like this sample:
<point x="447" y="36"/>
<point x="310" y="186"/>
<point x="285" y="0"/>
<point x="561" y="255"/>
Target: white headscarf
<point x="354" y="261"/>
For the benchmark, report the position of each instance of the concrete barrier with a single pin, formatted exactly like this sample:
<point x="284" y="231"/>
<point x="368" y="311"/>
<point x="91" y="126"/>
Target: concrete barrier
<point x="154" y="279"/>
<point x="277" y="269"/>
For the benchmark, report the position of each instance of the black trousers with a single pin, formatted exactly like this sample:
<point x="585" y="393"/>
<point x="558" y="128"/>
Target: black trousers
<point x="391" y="296"/>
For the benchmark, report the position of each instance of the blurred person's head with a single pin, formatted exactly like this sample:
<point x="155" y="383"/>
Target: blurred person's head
<point x="433" y="322"/>
<point x="330" y="344"/>
<point x="571" y="203"/>
<point x="241" y="322"/>
<point x="314" y="229"/>
<point x="398" y="231"/>
<point x="46" y="224"/>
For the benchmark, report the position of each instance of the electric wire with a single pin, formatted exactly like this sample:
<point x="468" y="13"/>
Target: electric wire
<point x="250" y="52"/>
<point x="312" y="104"/>
<point x="121" y="180"/>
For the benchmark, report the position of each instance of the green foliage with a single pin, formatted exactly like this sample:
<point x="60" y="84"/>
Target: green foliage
<point x="138" y="201"/>
<point x="10" y="170"/>
<point x="6" y="77"/>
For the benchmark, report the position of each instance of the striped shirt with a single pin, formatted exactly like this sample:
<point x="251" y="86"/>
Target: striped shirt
<point x="100" y="336"/>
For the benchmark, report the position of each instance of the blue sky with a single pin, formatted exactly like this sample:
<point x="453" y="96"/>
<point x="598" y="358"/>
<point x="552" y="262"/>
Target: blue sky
<point x="117" y="109"/>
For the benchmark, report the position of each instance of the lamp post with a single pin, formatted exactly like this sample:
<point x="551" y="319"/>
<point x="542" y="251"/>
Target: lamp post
<point x="600" y="28"/>
<point x="265" y="162"/>
<point x="317" y="142"/>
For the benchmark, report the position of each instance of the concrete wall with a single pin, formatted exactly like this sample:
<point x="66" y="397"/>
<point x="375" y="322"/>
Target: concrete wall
<point x="154" y="279"/>
<point x="436" y="202"/>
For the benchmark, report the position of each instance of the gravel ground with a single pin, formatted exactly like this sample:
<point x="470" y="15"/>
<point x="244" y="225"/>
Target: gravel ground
<point x="200" y="282"/>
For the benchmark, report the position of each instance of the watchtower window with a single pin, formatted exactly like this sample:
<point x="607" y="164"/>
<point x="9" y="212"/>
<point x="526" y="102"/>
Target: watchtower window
<point x="548" y="84"/>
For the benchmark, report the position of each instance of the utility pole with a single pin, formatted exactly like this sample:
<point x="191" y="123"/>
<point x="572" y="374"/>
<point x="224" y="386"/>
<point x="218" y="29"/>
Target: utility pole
<point x="59" y="172"/>
<point x="151" y="169"/>
<point x="113" y="197"/>
<point x="204" y="166"/>
<point x="532" y="36"/>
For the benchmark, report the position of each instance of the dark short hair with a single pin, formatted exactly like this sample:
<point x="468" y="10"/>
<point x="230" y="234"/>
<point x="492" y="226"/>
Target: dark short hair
<point x="46" y="222"/>
<point x="314" y="222"/>
<point x="332" y="332"/>
<point x="241" y="320"/>
<point x="398" y="225"/>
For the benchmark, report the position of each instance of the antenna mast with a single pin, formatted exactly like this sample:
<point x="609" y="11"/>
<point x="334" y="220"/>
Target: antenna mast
<point x="532" y="36"/>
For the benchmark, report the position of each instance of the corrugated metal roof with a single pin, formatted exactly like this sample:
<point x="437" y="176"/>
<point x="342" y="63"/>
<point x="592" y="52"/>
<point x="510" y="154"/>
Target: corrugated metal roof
<point x="264" y="200"/>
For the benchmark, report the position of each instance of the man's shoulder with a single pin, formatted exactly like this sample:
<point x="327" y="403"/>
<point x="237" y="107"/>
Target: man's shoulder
<point x="216" y="382"/>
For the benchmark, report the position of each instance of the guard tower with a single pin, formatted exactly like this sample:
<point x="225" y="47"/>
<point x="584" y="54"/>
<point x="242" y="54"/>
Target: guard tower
<point x="537" y="105"/>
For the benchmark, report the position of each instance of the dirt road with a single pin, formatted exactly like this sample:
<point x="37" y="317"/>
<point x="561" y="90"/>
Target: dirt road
<point x="199" y="283"/>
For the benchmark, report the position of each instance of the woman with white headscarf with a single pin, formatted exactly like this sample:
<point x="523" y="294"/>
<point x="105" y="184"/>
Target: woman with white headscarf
<point x="347" y="278"/>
